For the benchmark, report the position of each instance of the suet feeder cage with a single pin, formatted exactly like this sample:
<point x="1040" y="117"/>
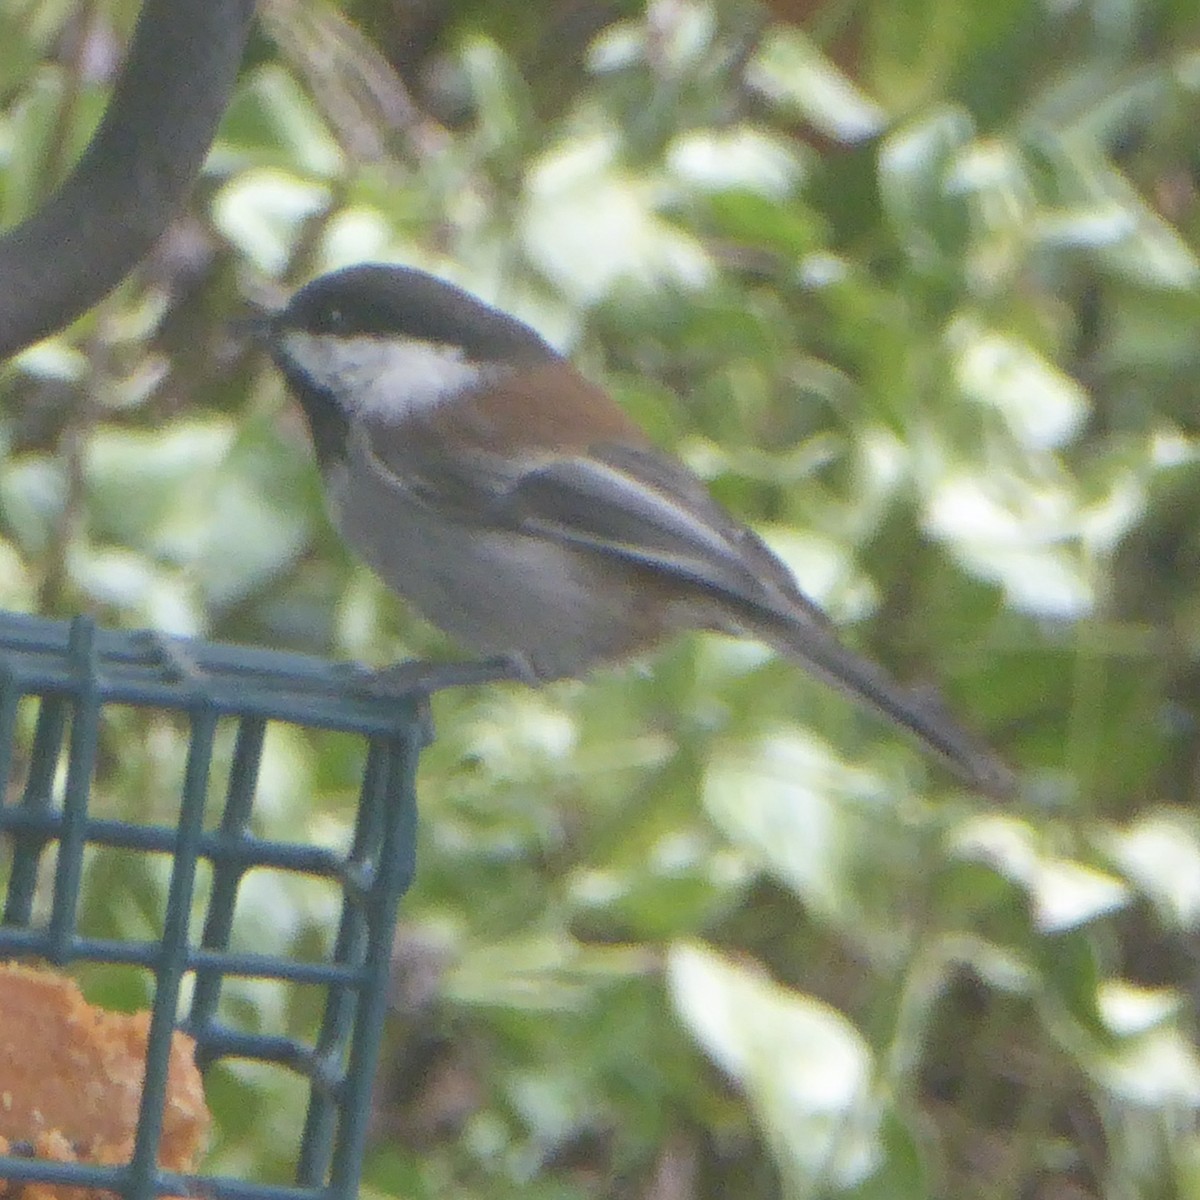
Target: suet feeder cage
<point x="60" y="683"/>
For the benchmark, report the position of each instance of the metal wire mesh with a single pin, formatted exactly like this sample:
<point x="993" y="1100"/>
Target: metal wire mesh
<point x="72" y="673"/>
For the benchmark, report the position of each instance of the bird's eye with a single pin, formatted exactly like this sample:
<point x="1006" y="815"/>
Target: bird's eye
<point x="334" y="319"/>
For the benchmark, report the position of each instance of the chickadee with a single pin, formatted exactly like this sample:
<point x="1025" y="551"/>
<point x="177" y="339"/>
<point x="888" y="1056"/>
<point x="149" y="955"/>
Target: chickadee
<point x="520" y="510"/>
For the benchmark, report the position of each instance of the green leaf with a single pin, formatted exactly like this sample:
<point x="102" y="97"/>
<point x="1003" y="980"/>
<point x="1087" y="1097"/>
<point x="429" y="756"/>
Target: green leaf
<point x="914" y="163"/>
<point x="794" y="75"/>
<point x="588" y="225"/>
<point x="1160" y="854"/>
<point x="271" y="121"/>
<point x="1064" y="893"/>
<point x="741" y="159"/>
<point x="1042" y="406"/>
<point x="33" y="495"/>
<point x="1158" y="1070"/>
<point x="826" y="829"/>
<point x="262" y="212"/>
<point x="805" y="1069"/>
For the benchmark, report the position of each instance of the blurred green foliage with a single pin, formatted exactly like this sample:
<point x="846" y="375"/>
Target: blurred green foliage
<point x="915" y="287"/>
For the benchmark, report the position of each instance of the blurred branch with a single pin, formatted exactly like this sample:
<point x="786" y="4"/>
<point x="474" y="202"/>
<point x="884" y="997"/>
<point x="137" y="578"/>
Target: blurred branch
<point x="360" y="93"/>
<point x="54" y="161"/>
<point x="135" y="173"/>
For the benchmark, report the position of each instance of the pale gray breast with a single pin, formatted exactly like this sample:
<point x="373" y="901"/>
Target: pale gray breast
<point x="495" y="592"/>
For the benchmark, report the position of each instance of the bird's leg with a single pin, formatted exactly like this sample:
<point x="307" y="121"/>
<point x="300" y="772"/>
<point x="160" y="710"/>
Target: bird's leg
<point x="426" y="677"/>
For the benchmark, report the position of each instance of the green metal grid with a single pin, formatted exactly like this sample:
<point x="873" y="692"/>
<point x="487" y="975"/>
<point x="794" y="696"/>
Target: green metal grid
<point x="73" y="671"/>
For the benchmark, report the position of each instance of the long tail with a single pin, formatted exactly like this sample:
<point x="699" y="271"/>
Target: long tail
<point x="919" y="711"/>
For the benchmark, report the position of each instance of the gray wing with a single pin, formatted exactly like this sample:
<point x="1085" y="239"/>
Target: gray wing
<point x="641" y="506"/>
<point x="630" y="502"/>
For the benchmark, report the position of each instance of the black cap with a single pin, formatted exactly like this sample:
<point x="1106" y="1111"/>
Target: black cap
<point x="375" y="299"/>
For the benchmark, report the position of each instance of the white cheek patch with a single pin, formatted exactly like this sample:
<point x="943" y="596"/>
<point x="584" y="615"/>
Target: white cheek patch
<point x="382" y="376"/>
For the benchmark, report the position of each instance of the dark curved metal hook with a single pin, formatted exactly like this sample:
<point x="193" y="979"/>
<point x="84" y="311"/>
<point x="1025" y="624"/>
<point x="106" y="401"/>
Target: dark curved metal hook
<point x="134" y="175"/>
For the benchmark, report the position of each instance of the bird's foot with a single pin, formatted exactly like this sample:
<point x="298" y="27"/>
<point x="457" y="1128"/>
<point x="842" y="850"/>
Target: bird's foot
<point x="424" y="678"/>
